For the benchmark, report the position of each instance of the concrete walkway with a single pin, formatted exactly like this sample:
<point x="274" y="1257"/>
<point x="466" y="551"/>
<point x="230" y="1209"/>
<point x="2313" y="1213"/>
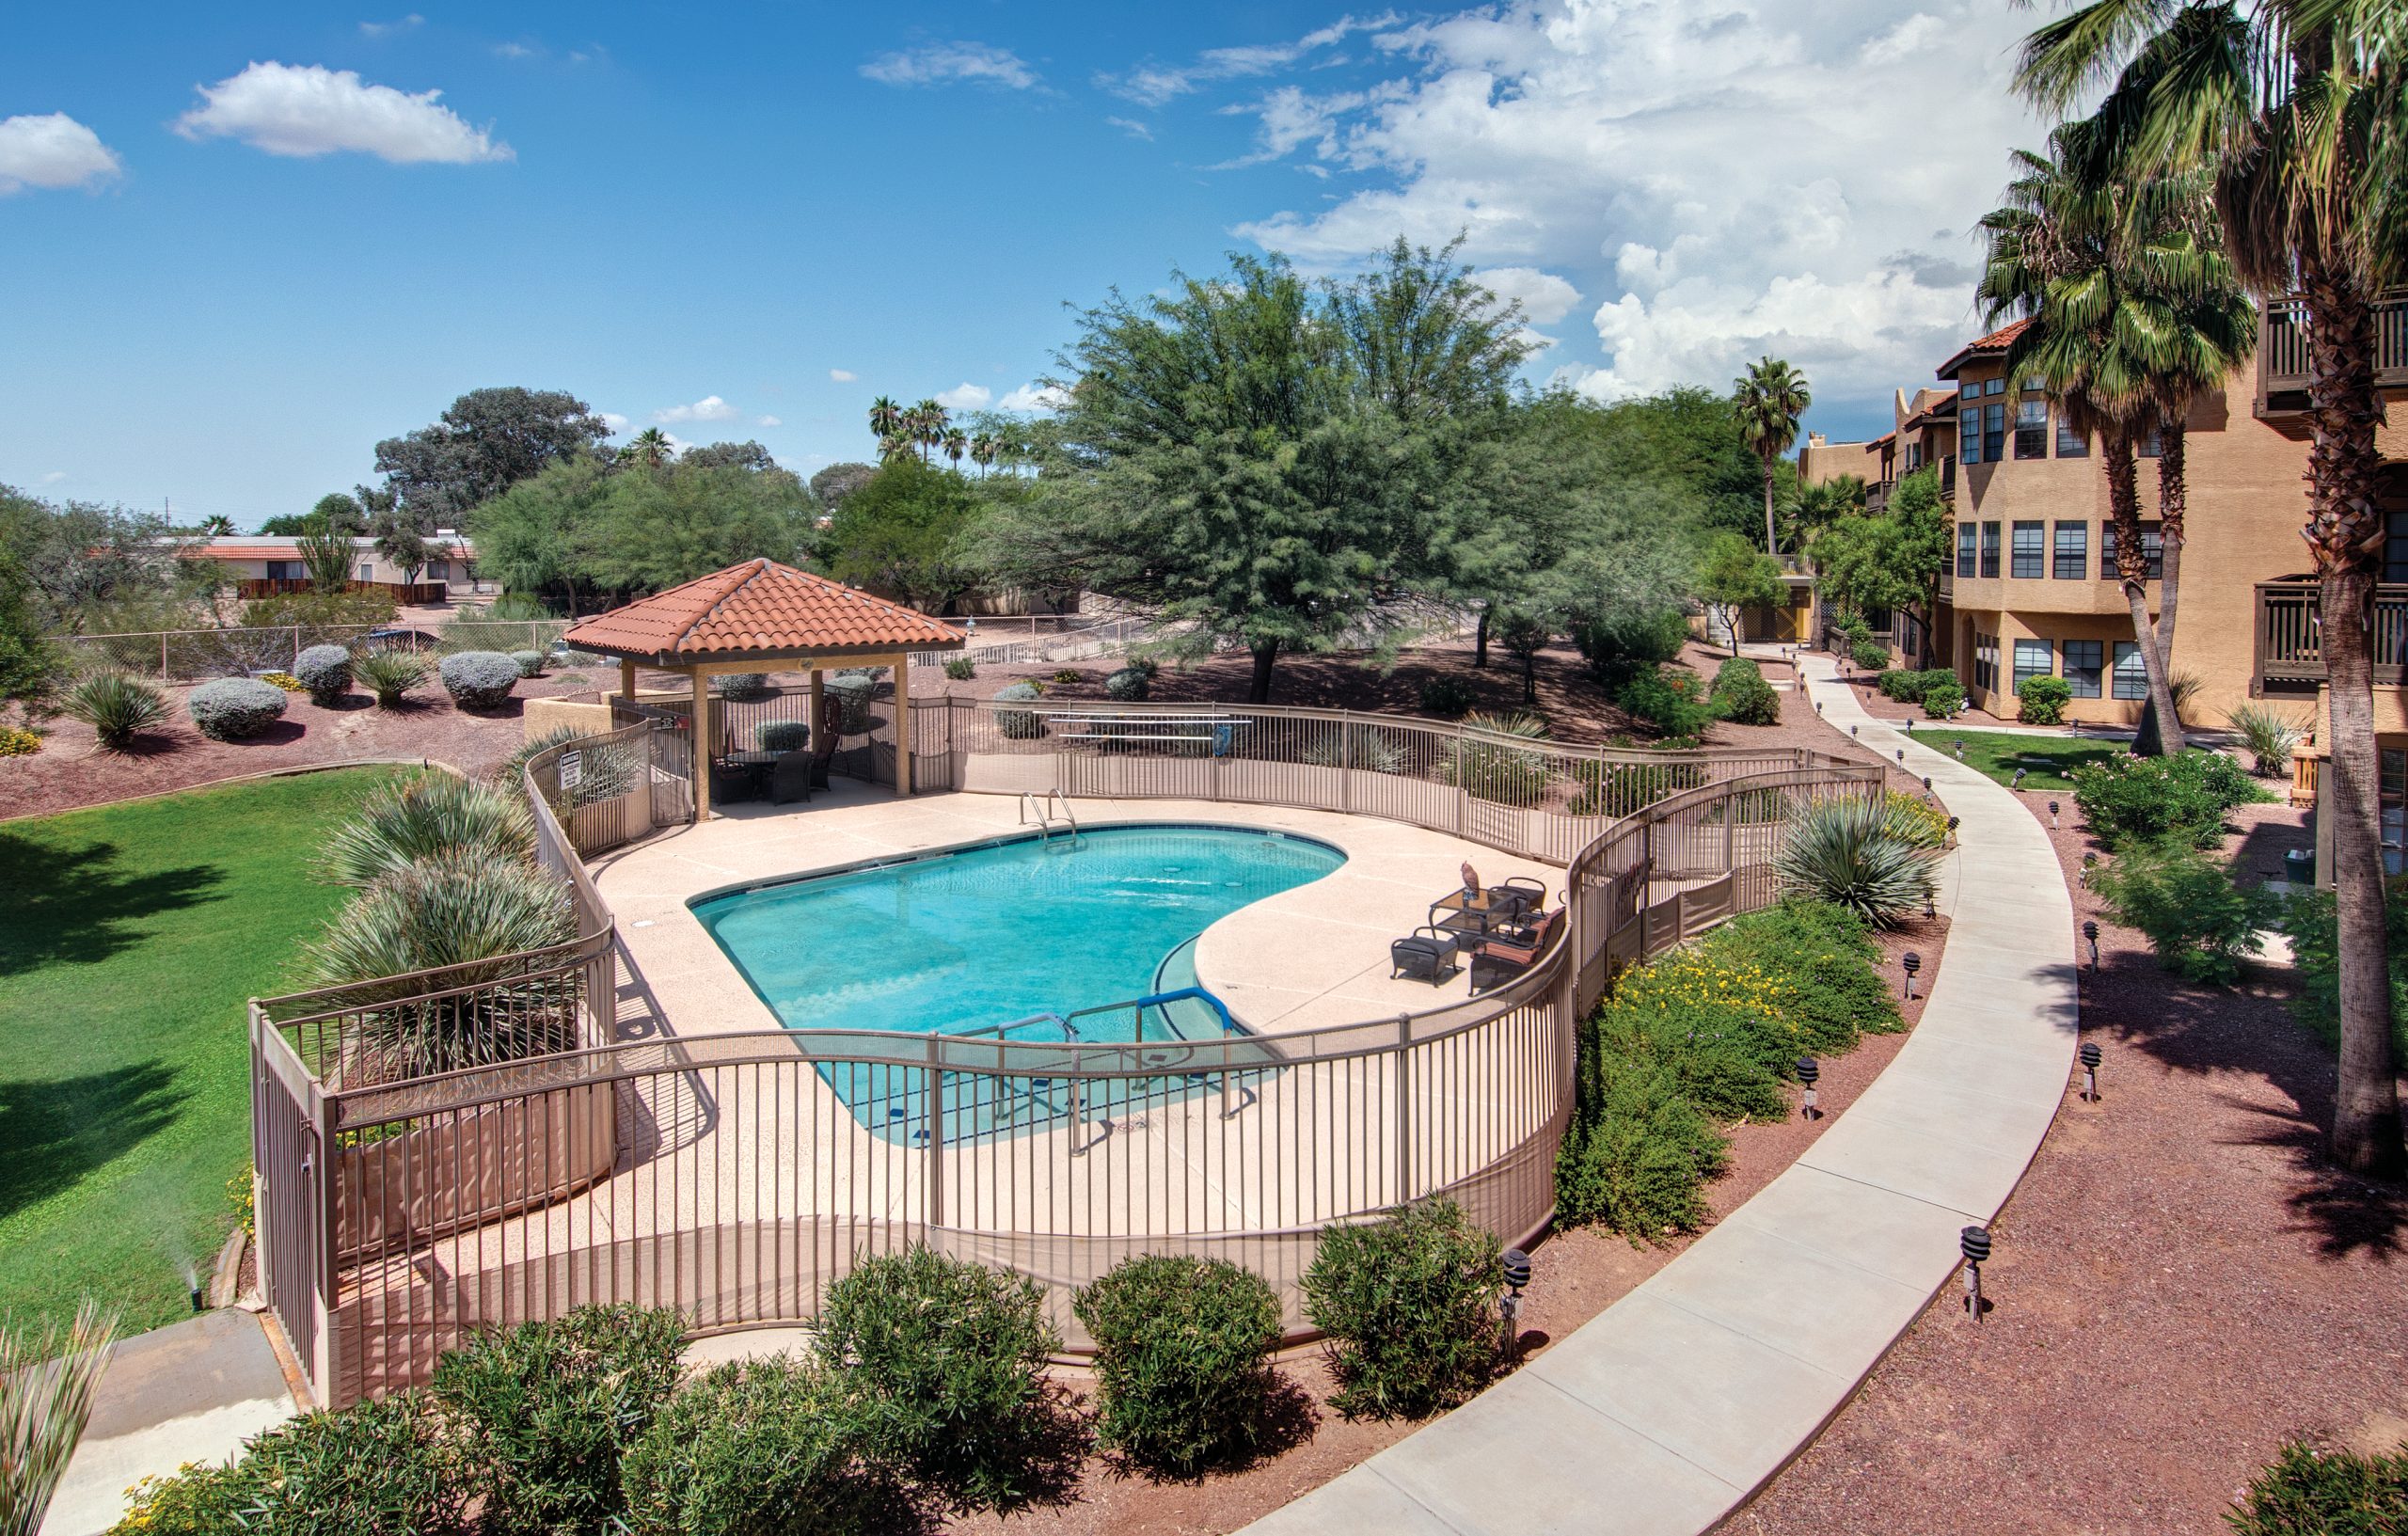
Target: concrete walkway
<point x="1678" y="1402"/>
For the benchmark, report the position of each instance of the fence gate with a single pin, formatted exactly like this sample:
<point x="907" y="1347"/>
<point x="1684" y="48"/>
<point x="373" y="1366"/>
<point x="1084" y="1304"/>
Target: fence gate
<point x="672" y="754"/>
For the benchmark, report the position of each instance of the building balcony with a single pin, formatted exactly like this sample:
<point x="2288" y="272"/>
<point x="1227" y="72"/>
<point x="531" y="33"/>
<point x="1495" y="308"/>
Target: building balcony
<point x="2282" y="356"/>
<point x="2289" y="644"/>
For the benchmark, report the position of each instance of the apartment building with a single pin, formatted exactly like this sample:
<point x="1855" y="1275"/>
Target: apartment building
<point x="261" y="565"/>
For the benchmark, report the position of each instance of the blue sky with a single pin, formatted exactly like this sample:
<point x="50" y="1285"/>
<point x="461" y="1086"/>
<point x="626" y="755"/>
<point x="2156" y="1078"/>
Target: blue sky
<point x="240" y="243"/>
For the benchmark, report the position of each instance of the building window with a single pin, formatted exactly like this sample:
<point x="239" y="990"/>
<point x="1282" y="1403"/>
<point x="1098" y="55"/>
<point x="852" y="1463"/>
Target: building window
<point x="2152" y="442"/>
<point x="284" y="570"/>
<point x="2070" y="444"/>
<point x="2032" y="429"/>
<point x="2395" y="546"/>
<point x="2131" y="677"/>
<point x="2034" y="659"/>
<point x="2395" y="810"/>
<point x="1994" y="387"/>
<point x="2029" y="559"/>
<point x="2083" y="658"/>
<point x="1984" y="660"/>
<point x="2152" y="552"/>
<point x="2073" y="552"/>
<point x="1995" y="431"/>
<point x="438" y="570"/>
<point x="1969" y="434"/>
<point x="367" y="571"/>
<point x="1989" y="549"/>
<point x="1965" y="550"/>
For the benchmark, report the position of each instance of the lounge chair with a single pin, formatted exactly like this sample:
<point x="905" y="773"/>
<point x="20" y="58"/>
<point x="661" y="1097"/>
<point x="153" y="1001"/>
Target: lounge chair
<point x="1495" y="961"/>
<point x="1427" y="954"/>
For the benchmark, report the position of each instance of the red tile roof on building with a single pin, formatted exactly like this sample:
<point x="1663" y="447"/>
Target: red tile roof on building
<point x="1997" y="340"/>
<point x="761" y="609"/>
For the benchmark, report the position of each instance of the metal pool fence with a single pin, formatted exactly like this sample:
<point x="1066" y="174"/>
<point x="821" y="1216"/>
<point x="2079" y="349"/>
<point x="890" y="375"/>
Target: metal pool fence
<point x="737" y="1176"/>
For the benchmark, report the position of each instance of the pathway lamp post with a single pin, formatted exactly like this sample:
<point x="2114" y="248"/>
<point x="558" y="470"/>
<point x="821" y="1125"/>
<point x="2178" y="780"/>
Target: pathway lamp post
<point x="1960" y="749"/>
<point x="1808" y="1070"/>
<point x="1952" y="828"/>
<point x="1851" y="731"/>
<point x="1518" y="1274"/>
<point x="2090" y="931"/>
<point x="2089" y="1071"/>
<point x="1974" y="1243"/>
<point x="1913" y="962"/>
<point x="1926" y="784"/>
<point x="2052" y="815"/>
<point x="2018" y="784"/>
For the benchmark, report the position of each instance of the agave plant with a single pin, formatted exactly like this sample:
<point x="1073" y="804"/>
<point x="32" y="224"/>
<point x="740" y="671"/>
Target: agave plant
<point x="1846" y="852"/>
<point x="423" y="819"/>
<point x="389" y="674"/>
<point x="2271" y="737"/>
<point x="46" y="1390"/>
<point x="117" y="707"/>
<point x="1373" y="750"/>
<point x="456" y="909"/>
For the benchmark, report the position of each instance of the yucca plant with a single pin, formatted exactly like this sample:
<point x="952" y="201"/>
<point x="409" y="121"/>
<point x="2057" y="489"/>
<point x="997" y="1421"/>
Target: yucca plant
<point x="455" y="909"/>
<point x="117" y="707"/>
<point x="1844" y="851"/>
<point x="46" y="1390"/>
<point x="389" y="674"/>
<point x="1373" y="750"/>
<point x="608" y="770"/>
<point x="2271" y="737"/>
<point x="425" y="817"/>
<point x="1491" y="770"/>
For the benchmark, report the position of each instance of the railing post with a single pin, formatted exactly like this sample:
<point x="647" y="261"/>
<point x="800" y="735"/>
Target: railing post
<point x="935" y="1204"/>
<point x="1403" y="1107"/>
<point x="1346" y="760"/>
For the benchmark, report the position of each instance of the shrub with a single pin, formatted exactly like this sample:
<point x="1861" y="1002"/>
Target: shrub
<point x="2305" y="1492"/>
<point x="1621" y="789"/>
<point x="739" y="686"/>
<point x="1853" y="629"/>
<point x="1943" y="701"/>
<point x="754" y="1448"/>
<point x="326" y="672"/>
<point x="425" y="817"/>
<point x="232" y="708"/>
<point x="318" y="609"/>
<point x="1409" y="1304"/>
<point x="1445" y="697"/>
<point x="1629" y="642"/>
<point x="960" y="668"/>
<point x="1639" y="1150"/>
<point x="119" y="706"/>
<point x="1822" y="971"/>
<point x="2309" y="921"/>
<point x="1841" y="851"/>
<point x="1869" y="656"/>
<point x="1019" y="724"/>
<point x="540" y="1415"/>
<point x="531" y="663"/>
<point x="2044" y="700"/>
<point x="1130" y="685"/>
<point x="1743" y="695"/>
<point x="946" y="1359"/>
<point x="373" y="1469"/>
<point x="1491" y="770"/>
<point x="781" y="736"/>
<point x="1183" y="1360"/>
<point x="478" y="679"/>
<point x="1908" y="687"/>
<point x="853" y="693"/>
<point x="1066" y="674"/>
<point x="389" y="675"/>
<point x="1669" y="702"/>
<point x="2146" y="799"/>
<point x="18" y="741"/>
<point x="2200" y="922"/>
<point x="1717" y="1025"/>
<point x="2270" y="738"/>
<point x="1373" y="750"/>
<point x="1915" y="819"/>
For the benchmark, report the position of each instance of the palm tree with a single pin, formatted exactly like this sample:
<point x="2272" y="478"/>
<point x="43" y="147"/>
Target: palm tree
<point x="1766" y="401"/>
<point x="955" y="443"/>
<point x="927" y="421"/>
<point x="893" y="446"/>
<point x="2133" y="314"/>
<point x="2295" y="110"/>
<point x="1811" y="509"/>
<point x="651" y="447"/>
<point x="885" y="418"/>
<point x="219" y="527"/>
<point x="982" y="452"/>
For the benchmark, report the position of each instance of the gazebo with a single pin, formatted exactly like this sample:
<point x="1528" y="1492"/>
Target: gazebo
<point x="762" y="616"/>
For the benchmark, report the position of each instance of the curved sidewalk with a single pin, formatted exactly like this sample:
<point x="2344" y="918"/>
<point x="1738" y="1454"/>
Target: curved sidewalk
<point x="1676" y="1404"/>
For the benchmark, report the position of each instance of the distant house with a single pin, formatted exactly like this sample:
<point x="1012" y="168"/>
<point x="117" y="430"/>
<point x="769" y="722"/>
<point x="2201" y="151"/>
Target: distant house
<point x="264" y="565"/>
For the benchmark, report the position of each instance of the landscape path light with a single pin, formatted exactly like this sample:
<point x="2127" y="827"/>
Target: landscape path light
<point x="2052" y="815"/>
<point x="1960" y="749"/>
<point x="1518" y="1274"/>
<point x="1926" y="784"/>
<point x="2090" y="931"/>
<point x="1902" y="757"/>
<point x="1913" y="962"/>
<point x="1974" y="1243"/>
<point x="1851" y="730"/>
<point x="2089" y="1071"/>
<point x="2018" y="785"/>
<point x="1808" y="1070"/>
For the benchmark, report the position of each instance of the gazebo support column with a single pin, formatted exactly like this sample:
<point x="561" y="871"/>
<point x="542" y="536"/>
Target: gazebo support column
<point x="702" y="768"/>
<point x="903" y="726"/>
<point x="628" y="679"/>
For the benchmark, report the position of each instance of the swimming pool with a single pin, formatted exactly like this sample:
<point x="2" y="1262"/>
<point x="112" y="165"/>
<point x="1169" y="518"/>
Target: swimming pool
<point x="968" y="941"/>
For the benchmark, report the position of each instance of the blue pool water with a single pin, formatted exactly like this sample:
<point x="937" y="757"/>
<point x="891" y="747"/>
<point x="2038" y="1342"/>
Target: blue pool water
<point x="964" y="941"/>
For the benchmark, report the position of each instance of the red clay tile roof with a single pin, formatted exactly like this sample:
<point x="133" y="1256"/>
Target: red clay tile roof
<point x="1997" y="340"/>
<point x="760" y="607"/>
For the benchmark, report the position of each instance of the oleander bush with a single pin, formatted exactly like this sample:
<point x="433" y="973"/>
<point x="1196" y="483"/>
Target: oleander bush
<point x="960" y="668"/>
<point x="781" y="736"/>
<point x="2043" y="699"/>
<point x="755" y="1449"/>
<point x="1183" y="1361"/>
<point x="1943" y="701"/>
<point x="2129" y="800"/>
<point x="389" y="675"/>
<point x="1908" y="685"/>
<point x="742" y="687"/>
<point x="2310" y="1492"/>
<point x="1742" y="694"/>
<point x="1447" y="697"/>
<point x="1129" y="684"/>
<point x="539" y="1417"/>
<point x="531" y="663"/>
<point x="1842" y="851"/>
<point x="377" y="1469"/>
<point x="2269" y="736"/>
<point x="1639" y="1151"/>
<point x="1409" y="1306"/>
<point x="1672" y="702"/>
<point x="234" y="709"/>
<point x="2200" y="923"/>
<point x="944" y="1359"/>
<point x="119" y="706"/>
<point x="324" y="670"/>
<point x="1018" y="724"/>
<point x="478" y="679"/>
<point x="425" y="817"/>
<point x="1870" y="655"/>
<point x="1621" y="789"/>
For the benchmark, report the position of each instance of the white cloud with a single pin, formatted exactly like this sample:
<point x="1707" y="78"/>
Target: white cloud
<point x="616" y="422"/>
<point x="53" y="477"/>
<point x="939" y="63"/>
<point x="1034" y="397"/>
<point x="708" y="408"/>
<point x="1132" y="127"/>
<point x="1619" y="147"/>
<point x="843" y="376"/>
<point x="386" y="29"/>
<point x="767" y="421"/>
<point x="309" y="110"/>
<point x="969" y="397"/>
<point x="1152" y="85"/>
<point x="516" y="51"/>
<point x="52" y="150"/>
<point x="1544" y="297"/>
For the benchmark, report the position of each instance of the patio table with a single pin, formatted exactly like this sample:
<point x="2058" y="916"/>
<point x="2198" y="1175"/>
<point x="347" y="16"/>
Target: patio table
<point x="1480" y="913"/>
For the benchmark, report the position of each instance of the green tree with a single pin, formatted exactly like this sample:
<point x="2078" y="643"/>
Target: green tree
<point x="1733" y="577"/>
<point x="654" y="528"/>
<point x="1766" y="401"/>
<point x="2296" y="110"/>
<point x="651" y="447"/>
<point x="530" y="537"/>
<point x="285" y="525"/>
<point x="906" y="533"/>
<point x="488" y="441"/>
<point x="325" y="547"/>
<point x="31" y="667"/>
<point x="747" y="454"/>
<point x="216" y="527"/>
<point x="837" y="482"/>
<point x="1890" y="560"/>
<point x="94" y="568"/>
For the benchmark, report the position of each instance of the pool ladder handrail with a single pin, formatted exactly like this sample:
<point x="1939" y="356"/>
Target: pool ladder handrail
<point x="1044" y="812"/>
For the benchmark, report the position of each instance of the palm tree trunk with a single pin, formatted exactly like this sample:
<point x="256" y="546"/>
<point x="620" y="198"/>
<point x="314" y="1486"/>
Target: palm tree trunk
<point x="1258" y="691"/>
<point x="1772" y="540"/>
<point x="2345" y="530"/>
<point x="1480" y="638"/>
<point x="2164" y="733"/>
<point x="2131" y="565"/>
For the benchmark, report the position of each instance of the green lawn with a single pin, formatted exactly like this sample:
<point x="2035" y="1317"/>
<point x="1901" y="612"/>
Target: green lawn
<point x="129" y="937"/>
<point x="2047" y="760"/>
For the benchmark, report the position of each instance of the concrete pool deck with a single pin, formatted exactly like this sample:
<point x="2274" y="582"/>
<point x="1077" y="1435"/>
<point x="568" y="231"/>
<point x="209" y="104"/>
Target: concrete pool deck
<point x="1312" y="955"/>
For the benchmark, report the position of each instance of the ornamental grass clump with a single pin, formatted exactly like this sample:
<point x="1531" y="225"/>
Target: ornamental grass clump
<point x="234" y="709"/>
<point x="47" y="1384"/>
<point x="375" y="1468"/>
<point x="2270" y="737"/>
<point x="752" y="1448"/>
<point x="389" y="675"/>
<point x="2310" y="1492"/>
<point x="326" y="672"/>
<point x="478" y="679"/>
<point x="1843" y="851"/>
<point x="1409" y="1302"/>
<point x="426" y="817"/>
<point x="119" y="706"/>
<point x="1183" y="1361"/>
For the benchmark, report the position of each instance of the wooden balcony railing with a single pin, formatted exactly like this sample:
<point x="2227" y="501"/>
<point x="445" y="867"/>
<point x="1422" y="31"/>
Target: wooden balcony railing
<point x="2289" y="646"/>
<point x="249" y="587"/>
<point x="2282" y="353"/>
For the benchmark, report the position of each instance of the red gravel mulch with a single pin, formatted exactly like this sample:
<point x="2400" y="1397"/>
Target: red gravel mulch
<point x="2181" y="1283"/>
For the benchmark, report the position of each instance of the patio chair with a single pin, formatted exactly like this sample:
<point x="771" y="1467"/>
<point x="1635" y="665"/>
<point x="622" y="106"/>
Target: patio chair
<point x="790" y="778"/>
<point x="1427" y="954"/>
<point x="731" y="783"/>
<point x="1525" y="892"/>
<point x="1495" y="961"/>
